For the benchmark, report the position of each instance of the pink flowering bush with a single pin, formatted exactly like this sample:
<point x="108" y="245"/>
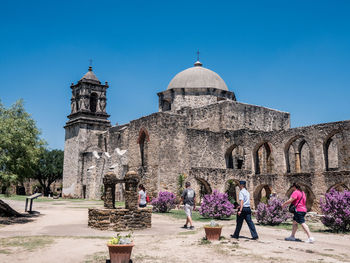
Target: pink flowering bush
<point x="336" y="209"/>
<point x="216" y="205"/>
<point x="272" y="213"/>
<point x="164" y="202"/>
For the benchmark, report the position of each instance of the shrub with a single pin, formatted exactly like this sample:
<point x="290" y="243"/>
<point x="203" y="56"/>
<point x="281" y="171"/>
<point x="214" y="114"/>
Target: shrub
<point x="272" y="213"/>
<point x="216" y="205"/>
<point x="164" y="202"/>
<point x="336" y="209"/>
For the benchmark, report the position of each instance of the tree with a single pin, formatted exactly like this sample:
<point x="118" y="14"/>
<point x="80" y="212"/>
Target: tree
<point x="49" y="168"/>
<point x="19" y="146"/>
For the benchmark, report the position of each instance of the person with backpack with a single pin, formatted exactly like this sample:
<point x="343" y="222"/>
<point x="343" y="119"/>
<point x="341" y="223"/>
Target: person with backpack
<point x="189" y="200"/>
<point x="297" y="202"/>
<point x="142" y="201"/>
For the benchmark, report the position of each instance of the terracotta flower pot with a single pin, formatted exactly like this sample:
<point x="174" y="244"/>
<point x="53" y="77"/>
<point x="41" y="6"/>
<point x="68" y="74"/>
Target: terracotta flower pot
<point x="213" y="233"/>
<point x="120" y="253"/>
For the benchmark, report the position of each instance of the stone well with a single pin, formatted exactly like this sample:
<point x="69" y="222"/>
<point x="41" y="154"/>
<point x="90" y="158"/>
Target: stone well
<point x="119" y="219"/>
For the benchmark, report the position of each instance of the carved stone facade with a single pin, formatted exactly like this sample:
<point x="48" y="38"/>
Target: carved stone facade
<point x="203" y="132"/>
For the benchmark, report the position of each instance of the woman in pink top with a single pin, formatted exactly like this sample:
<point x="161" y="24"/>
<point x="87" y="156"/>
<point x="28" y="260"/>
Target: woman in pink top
<point x="298" y="199"/>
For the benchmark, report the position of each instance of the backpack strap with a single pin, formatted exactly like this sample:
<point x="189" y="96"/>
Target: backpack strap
<point x="299" y="199"/>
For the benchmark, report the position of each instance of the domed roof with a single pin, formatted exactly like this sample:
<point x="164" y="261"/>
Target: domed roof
<point x="197" y="77"/>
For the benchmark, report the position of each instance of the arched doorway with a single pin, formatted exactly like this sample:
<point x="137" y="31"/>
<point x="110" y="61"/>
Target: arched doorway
<point x="310" y="197"/>
<point x="204" y="188"/>
<point x="232" y="190"/>
<point x="262" y="194"/>
<point x="340" y="187"/>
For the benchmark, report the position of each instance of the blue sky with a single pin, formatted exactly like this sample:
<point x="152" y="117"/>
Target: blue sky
<point x="288" y="55"/>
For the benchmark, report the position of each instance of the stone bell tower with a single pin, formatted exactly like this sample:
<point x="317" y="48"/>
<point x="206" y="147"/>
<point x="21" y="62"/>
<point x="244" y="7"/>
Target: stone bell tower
<point x="87" y="119"/>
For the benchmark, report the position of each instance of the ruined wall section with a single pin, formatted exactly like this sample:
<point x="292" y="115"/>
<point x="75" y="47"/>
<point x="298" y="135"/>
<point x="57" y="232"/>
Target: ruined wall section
<point x="165" y="150"/>
<point x="232" y="115"/>
<point x="207" y="150"/>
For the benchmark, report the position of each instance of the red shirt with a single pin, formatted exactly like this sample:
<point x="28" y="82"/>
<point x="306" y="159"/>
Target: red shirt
<point x="297" y="195"/>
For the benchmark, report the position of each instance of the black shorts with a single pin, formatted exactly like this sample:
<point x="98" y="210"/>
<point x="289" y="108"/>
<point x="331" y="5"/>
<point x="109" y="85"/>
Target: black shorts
<point x="299" y="217"/>
<point x="142" y="205"/>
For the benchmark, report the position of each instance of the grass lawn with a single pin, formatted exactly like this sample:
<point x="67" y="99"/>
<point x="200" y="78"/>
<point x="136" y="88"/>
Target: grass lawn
<point x="180" y="214"/>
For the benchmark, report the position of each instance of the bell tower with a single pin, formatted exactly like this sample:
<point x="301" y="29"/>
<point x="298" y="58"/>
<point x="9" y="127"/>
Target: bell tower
<point x="87" y="119"/>
<point x="88" y="102"/>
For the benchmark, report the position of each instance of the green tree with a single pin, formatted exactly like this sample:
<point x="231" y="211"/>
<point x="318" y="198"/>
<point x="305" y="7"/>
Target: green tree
<point x="19" y="144"/>
<point x="49" y="168"/>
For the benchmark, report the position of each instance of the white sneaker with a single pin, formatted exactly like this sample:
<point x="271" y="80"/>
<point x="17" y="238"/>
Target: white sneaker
<point x="310" y="240"/>
<point x="290" y="238"/>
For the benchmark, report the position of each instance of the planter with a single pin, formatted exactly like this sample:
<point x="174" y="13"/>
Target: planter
<point x="213" y="233"/>
<point x="120" y="253"/>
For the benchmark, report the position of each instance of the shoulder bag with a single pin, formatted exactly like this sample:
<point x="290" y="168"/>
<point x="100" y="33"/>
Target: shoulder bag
<point x="293" y="208"/>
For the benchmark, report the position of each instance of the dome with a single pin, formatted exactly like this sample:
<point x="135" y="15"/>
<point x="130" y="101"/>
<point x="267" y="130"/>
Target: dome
<point x="197" y="77"/>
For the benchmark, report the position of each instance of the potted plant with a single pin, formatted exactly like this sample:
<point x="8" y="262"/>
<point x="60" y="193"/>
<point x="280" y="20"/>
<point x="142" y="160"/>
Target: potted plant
<point x="120" y="248"/>
<point x="213" y="231"/>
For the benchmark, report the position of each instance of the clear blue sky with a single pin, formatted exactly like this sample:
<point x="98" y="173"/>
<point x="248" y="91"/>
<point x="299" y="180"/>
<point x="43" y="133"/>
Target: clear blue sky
<point x="288" y="55"/>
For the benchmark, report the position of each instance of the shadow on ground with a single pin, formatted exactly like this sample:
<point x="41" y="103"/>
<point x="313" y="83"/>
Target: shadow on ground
<point x="25" y="218"/>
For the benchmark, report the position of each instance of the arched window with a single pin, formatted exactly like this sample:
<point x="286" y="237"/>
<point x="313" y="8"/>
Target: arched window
<point x="298" y="156"/>
<point x="93" y="102"/>
<point x="143" y="142"/>
<point x="331" y="153"/>
<point x="263" y="159"/>
<point x="262" y="194"/>
<point x="166" y="105"/>
<point x="304" y="152"/>
<point x="234" y="157"/>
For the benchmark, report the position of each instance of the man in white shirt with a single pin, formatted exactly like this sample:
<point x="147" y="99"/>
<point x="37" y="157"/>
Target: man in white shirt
<point x="244" y="212"/>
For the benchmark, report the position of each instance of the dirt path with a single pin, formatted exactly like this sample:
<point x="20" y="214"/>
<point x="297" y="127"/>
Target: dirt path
<point x="60" y="234"/>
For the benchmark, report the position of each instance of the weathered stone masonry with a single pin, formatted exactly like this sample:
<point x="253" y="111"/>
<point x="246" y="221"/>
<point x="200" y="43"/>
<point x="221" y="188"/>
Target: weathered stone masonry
<point x="119" y="219"/>
<point x="203" y="132"/>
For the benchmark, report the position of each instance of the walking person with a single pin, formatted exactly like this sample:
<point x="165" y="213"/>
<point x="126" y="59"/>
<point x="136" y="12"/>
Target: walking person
<point x="244" y="212"/>
<point x="188" y="198"/>
<point x="142" y="201"/>
<point x="298" y="199"/>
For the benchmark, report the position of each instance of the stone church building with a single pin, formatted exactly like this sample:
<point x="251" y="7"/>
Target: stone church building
<point x="203" y="132"/>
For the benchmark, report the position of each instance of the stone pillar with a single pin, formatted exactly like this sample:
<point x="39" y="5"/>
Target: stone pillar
<point x="297" y="162"/>
<point x="109" y="182"/>
<point x="132" y="180"/>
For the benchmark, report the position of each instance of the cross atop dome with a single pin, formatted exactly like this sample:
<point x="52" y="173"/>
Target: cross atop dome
<point x="198" y="63"/>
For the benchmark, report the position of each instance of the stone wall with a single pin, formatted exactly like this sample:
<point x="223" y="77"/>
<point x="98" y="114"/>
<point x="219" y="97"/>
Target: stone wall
<point x="232" y="115"/>
<point x="120" y="219"/>
<point x="165" y="151"/>
<point x="178" y="98"/>
<point x="130" y="217"/>
<point x="266" y="159"/>
<point x="80" y="141"/>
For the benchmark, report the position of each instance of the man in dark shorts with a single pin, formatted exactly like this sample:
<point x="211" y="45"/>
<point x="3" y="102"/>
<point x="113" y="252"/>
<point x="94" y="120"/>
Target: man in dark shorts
<point x="189" y="200"/>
